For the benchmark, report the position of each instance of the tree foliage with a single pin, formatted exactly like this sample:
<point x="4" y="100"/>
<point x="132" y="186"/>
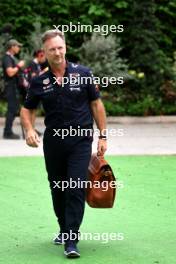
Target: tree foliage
<point x="147" y="44"/>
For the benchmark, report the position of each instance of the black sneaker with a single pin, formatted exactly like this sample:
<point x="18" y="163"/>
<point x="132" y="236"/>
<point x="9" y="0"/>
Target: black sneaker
<point x="71" y="250"/>
<point x="11" y="136"/>
<point x="59" y="240"/>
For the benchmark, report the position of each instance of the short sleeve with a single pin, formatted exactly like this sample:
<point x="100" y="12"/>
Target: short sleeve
<point x="7" y="62"/>
<point x="32" y="98"/>
<point x="93" y="89"/>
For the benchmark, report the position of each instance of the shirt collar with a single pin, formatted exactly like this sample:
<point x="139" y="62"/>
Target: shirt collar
<point x="11" y="55"/>
<point x="66" y="69"/>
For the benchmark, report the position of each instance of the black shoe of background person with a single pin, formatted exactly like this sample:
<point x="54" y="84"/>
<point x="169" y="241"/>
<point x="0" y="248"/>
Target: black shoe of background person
<point x="11" y="136"/>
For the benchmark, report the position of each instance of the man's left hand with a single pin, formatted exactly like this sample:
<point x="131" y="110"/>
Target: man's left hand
<point x="102" y="147"/>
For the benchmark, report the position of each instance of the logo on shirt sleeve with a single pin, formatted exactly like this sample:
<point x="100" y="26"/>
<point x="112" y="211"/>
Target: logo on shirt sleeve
<point x="46" y="81"/>
<point x="74" y="65"/>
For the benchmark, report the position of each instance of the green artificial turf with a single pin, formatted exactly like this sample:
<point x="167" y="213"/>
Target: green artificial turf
<point x="144" y="211"/>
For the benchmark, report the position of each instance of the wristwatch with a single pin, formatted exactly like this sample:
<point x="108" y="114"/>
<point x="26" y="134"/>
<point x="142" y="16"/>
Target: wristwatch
<point x="102" y="137"/>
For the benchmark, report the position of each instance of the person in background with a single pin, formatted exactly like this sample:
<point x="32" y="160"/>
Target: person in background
<point x="36" y="66"/>
<point x="10" y="71"/>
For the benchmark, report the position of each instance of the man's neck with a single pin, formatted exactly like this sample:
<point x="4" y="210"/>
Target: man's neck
<point x="59" y="70"/>
<point x="10" y="52"/>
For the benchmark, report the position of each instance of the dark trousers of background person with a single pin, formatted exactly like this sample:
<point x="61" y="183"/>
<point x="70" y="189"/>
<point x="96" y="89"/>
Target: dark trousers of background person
<point x="67" y="159"/>
<point x="12" y="106"/>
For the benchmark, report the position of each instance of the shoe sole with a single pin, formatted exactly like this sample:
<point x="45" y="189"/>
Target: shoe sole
<point x="72" y="254"/>
<point x="58" y="243"/>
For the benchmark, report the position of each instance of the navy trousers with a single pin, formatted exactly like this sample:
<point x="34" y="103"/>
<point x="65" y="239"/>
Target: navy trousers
<point x="12" y="106"/>
<point x="67" y="159"/>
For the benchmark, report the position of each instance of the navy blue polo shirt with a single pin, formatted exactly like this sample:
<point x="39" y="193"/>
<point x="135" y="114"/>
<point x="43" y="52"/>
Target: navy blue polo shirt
<point x="67" y="104"/>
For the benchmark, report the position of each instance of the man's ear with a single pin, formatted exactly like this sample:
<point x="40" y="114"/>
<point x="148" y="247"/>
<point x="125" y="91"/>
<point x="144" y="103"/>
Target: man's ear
<point x="44" y="48"/>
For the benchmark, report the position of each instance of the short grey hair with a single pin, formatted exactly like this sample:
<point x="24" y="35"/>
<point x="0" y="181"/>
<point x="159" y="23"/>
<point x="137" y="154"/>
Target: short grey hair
<point x="52" y="33"/>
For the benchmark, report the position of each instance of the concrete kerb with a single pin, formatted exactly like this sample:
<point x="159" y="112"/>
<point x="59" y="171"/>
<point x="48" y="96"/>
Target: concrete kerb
<point x="117" y="120"/>
<point x="142" y="136"/>
<point x="141" y="120"/>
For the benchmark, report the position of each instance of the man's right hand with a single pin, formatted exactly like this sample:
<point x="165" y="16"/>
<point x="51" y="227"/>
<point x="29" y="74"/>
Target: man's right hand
<point x="32" y="138"/>
<point x="21" y="63"/>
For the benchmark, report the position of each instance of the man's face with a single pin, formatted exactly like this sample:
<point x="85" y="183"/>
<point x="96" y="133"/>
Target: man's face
<point x="15" y="49"/>
<point x="55" y="50"/>
<point x="41" y="57"/>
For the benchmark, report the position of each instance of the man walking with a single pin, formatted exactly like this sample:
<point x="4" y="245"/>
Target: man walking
<point x="11" y="69"/>
<point x="68" y="106"/>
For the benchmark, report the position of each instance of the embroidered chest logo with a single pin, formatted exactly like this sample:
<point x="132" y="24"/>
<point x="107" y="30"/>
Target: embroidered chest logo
<point x="47" y="86"/>
<point x="74" y="81"/>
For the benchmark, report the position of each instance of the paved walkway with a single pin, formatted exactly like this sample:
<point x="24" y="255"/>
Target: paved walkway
<point x="134" y="136"/>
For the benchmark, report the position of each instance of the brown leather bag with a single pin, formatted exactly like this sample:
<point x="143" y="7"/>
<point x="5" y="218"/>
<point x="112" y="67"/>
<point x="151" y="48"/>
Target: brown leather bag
<point x="99" y="172"/>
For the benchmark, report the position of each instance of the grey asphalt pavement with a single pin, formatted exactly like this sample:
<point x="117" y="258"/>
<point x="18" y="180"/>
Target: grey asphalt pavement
<point x="127" y="136"/>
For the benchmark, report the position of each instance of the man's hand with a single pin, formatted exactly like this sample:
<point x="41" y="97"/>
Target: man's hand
<point x="27" y="118"/>
<point x="21" y="63"/>
<point x="102" y="147"/>
<point x="32" y="138"/>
